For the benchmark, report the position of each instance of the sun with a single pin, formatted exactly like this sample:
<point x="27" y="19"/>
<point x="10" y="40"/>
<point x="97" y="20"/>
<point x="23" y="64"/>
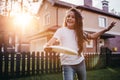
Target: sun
<point x="22" y="19"/>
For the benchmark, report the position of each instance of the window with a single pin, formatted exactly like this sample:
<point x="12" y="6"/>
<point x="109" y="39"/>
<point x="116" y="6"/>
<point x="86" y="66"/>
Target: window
<point x="89" y="44"/>
<point x="102" y="22"/>
<point x="47" y="19"/>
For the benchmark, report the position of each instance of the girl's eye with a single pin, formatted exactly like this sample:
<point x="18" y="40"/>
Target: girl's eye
<point x="70" y="16"/>
<point x="73" y="16"/>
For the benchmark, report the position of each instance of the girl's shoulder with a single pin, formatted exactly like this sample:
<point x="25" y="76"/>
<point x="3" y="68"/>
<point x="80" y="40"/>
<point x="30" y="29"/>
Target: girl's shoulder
<point x="61" y="29"/>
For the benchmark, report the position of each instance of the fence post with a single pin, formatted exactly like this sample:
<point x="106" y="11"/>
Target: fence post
<point x="38" y="62"/>
<point x="50" y="63"/>
<point x="54" y="62"/>
<point x="18" y="57"/>
<point x="1" y="64"/>
<point x="33" y="63"/>
<point x="6" y="65"/>
<point x="46" y="62"/>
<point x="88" y="61"/>
<point x="12" y="65"/>
<point x="42" y="62"/>
<point x="23" y="63"/>
<point x="58" y="63"/>
<point x="28" y="63"/>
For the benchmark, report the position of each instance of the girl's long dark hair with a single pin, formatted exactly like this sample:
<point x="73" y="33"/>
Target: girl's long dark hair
<point x="78" y="28"/>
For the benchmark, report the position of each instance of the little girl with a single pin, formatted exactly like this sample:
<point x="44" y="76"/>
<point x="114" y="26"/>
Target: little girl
<point x="72" y="36"/>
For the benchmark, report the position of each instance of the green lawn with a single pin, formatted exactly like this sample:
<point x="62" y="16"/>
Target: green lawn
<point x="101" y="74"/>
<point x="104" y="74"/>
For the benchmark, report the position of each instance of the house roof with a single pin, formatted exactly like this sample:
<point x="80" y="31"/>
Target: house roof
<point x="83" y="7"/>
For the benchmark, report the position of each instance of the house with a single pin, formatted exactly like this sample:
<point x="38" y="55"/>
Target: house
<point x="51" y="14"/>
<point x="11" y="37"/>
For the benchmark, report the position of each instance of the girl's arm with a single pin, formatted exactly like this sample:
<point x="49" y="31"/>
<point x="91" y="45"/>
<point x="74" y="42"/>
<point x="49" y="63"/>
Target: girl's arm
<point x="50" y="42"/>
<point x="97" y="34"/>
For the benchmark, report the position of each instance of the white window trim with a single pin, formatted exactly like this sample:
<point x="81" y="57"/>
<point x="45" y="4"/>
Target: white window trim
<point x="89" y="44"/>
<point x="106" y="21"/>
<point x="47" y="21"/>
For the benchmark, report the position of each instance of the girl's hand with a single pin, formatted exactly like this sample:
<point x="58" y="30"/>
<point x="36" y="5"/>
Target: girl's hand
<point x="111" y="26"/>
<point x="46" y="45"/>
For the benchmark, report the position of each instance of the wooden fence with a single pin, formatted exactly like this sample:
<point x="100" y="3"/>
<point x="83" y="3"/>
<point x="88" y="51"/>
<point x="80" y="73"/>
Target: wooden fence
<point x="25" y="64"/>
<point x="14" y="65"/>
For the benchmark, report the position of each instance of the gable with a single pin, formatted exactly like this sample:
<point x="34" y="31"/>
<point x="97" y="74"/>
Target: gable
<point x="47" y="11"/>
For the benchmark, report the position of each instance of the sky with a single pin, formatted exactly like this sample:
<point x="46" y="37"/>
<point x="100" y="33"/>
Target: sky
<point x="113" y="4"/>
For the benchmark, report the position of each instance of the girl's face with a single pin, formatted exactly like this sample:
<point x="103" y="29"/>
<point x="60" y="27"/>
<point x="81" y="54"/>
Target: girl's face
<point x="70" y="19"/>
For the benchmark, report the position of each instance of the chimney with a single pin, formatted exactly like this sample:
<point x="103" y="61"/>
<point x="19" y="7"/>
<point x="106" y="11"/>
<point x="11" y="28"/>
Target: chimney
<point x="105" y="5"/>
<point x="88" y="3"/>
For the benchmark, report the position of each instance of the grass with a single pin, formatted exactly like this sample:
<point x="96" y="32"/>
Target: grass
<point x="101" y="74"/>
<point x="104" y="74"/>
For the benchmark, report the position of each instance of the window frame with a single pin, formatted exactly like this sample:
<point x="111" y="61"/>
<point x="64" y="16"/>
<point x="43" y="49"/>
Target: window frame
<point x="102" y="21"/>
<point x="46" y="18"/>
<point x="89" y="44"/>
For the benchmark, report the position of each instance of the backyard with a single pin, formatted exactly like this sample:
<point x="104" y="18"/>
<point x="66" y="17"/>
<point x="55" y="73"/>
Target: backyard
<point x="108" y="73"/>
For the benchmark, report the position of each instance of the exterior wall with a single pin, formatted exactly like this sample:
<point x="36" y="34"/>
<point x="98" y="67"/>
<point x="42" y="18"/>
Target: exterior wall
<point x="91" y="22"/>
<point x="61" y="15"/>
<point x="115" y="30"/>
<point x="90" y="46"/>
<point x="37" y="44"/>
<point x="47" y="8"/>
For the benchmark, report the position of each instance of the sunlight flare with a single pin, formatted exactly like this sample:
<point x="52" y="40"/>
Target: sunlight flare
<point x="22" y="20"/>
